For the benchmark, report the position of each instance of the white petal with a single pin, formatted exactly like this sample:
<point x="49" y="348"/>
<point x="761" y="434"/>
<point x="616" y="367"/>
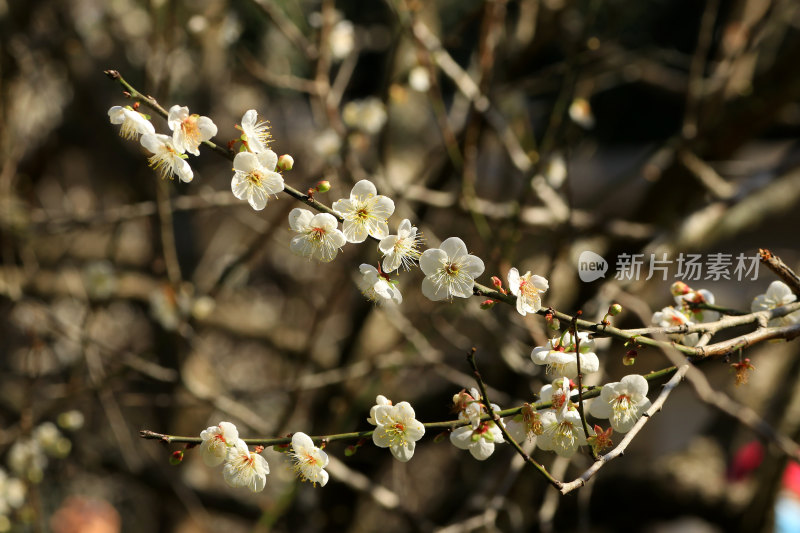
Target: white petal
<point x="431" y="260"/>
<point x="245" y="162"/>
<point x="258" y="198"/>
<point x="268" y="159"/>
<point x="454" y="248"/>
<point x="432" y="291"/>
<point x="473" y="266"/>
<point x="363" y="189"/>
<point x="300" y="219"/>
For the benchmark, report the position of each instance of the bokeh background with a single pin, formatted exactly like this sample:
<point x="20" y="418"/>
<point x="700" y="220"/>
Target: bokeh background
<point x="532" y="129"/>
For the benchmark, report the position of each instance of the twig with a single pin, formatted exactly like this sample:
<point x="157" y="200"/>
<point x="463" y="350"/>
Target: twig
<point x="780" y="268"/>
<point x="581" y="412"/>
<point x="494" y="416"/>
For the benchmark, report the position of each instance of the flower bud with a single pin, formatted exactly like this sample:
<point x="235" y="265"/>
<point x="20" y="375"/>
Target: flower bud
<point x="487" y="304"/>
<point x="629" y="358"/>
<point x="678" y="288"/>
<point x="323" y="186"/>
<point x="176" y="458"/>
<point x="286" y="162"/>
<point x="497" y="283"/>
<point x="614" y="309"/>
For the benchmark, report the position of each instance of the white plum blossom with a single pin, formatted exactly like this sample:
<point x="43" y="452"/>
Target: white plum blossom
<point x="257" y="132"/>
<point x="365" y="212"/>
<point x="166" y="159"/>
<point x="561" y="433"/>
<point x="244" y="468"/>
<point x="380" y="400"/>
<point x="622" y="403"/>
<point x="479" y="441"/>
<point x="368" y="115"/>
<point x="401" y="250"/>
<point x="528" y="291"/>
<point x="133" y="123"/>
<point x="778" y="294"/>
<point x="449" y="270"/>
<point x="309" y="460"/>
<point x="560" y="358"/>
<point x="376" y="288"/>
<point x="559" y="395"/>
<point x="254" y="177"/>
<point x="188" y="131"/>
<point x="342" y="39"/>
<point x="318" y="236"/>
<point x="697" y="315"/>
<point x="398" y="429"/>
<point x="216" y="442"/>
<point x="670" y="317"/>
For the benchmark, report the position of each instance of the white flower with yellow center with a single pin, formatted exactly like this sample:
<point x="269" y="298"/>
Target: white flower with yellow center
<point x="480" y="441"/>
<point x="132" y="122"/>
<point x="365" y="212"/>
<point x="244" y="468"/>
<point x="398" y="429"/>
<point x="560" y="357"/>
<point x="318" y="236"/>
<point x="188" y="131"/>
<point x="622" y="403"/>
<point x="449" y="270"/>
<point x="376" y="288"/>
<point x="254" y="177"/>
<point x="258" y="135"/>
<point x="561" y="434"/>
<point x="528" y="290"/>
<point x="216" y="442"/>
<point x="669" y="317"/>
<point x="401" y="250"/>
<point x="309" y="460"/>
<point x="778" y="294"/>
<point x="166" y="159"/>
<point x="380" y="400"/>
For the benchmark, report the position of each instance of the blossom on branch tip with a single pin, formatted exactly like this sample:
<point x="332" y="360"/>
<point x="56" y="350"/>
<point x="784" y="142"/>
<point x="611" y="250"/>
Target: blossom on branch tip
<point x="216" y="441"/>
<point x="401" y="250"/>
<point x="188" y="131"/>
<point x="778" y="294"/>
<point x="244" y="468"/>
<point x="254" y="177"/>
<point x="449" y="270"/>
<point x="133" y="123"/>
<point x="166" y="159"/>
<point x="397" y="429"/>
<point x="622" y="402"/>
<point x="527" y="289"/>
<point x="560" y="358"/>
<point x="318" y="236"/>
<point x="479" y="441"/>
<point x="376" y="288"/>
<point x="257" y="133"/>
<point x="309" y="460"/>
<point x="365" y="213"/>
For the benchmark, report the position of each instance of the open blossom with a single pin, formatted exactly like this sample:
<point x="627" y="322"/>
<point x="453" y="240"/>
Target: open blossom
<point x="398" y="429"/>
<point x="254" y="177"/>
<point x="400" y="250"/>
<point x="561" y="433"/>
<point x="527" y="289"/>
<point x="559" y="394"/>
<point x="257" y="133"/>
<point x="318" y="236"/>
<point x="132" y="122"/>
<point x="166" y="159"/>
<point x="622" y="402"/>
<point x="689" y="296"/>
<point x="365" y="212"/>
<point x="309" y="460"/>
<point x="244" y="468"/>
<point x="376" y="288"/>
<point x="560" y="358"/>
<point x="216" y="441"/>
<point x="778" y="294"/>
<point x="479" y="441"/>
<point x="449" y="270"/>
<point x="188" y="131"/>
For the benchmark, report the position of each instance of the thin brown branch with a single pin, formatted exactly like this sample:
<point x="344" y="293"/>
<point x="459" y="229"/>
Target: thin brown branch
<point x="780" y="268"/>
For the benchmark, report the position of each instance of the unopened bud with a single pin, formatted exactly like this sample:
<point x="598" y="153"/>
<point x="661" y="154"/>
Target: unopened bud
<point x="678" y="288"/>
<point x="487" y="304"/>
<point x="323" y="186"/>
<point x="552" y="322"/>
<point x="629" y="358"/>
<point x="176" y="458"/>
<point x="441" y="436"/>
<point x="286" y="162"/>
<point x="614" y="309"/>
<point x="350" y="451"/>
<point x="496" y="282"/>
